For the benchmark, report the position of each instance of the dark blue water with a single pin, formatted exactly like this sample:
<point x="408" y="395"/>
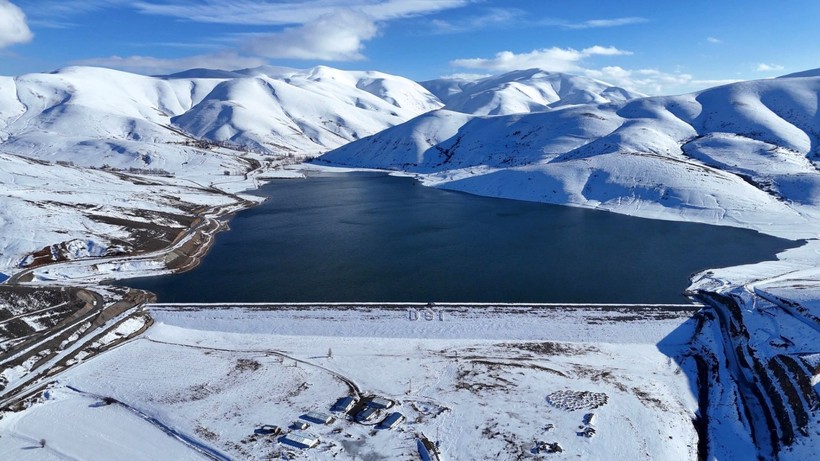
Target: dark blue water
<point x="371" y="237"/>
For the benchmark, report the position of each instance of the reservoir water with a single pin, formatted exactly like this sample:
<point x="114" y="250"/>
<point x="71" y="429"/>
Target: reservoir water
<point x="372" y="237"/>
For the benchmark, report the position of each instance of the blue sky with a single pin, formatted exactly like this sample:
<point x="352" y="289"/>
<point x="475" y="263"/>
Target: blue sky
<point x="657" y="47"/>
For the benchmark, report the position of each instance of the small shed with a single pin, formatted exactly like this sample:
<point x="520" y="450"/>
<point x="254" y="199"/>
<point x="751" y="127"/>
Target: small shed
<point x="344" y="404"/>
<point x="392" y="420"/>
<point x="367" y="414"/>
<point x="381" y="402"/>
<point x="427" y="449"/>
<point x="300" y="440"/>
<point x="269" y="429"/>
<point x="546" y="447"/>
<point x="301" y="425"/>
<point x="318" y="418"/>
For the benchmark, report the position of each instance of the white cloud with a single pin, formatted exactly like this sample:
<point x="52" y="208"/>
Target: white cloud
<point x="465" y="76"/>
<point x="13" y="26"/>
<point x="604" y="51"/>
<point x="317" y="29"/>
<point x="58" y="14"/>
<point x="554" y="59"/>
<point x="289" y="12"/>
<point x="763" y="67"/>
<point x="66" y="7"/>
<point x="647" y="81"/>
<point x="492" y="17"/>
<point x="334" y="37"/>
<point x="152" y="66"/>
<point x="331" y="30"/>
<point x="599" y="23"/>
<point x="653" y="81"/>
<point x="713" y="40"/>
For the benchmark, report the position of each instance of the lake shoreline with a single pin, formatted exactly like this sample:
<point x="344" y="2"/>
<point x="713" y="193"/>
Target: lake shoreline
<point x="401" y="234"/>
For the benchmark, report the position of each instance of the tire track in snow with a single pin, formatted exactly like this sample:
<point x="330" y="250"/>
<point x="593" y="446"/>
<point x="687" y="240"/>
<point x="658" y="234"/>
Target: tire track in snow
<point x="354" y="387"/>
<point x="212" y="453"/>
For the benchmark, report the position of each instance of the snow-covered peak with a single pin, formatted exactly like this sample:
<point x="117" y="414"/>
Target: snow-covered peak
<point x="523" y="91"/>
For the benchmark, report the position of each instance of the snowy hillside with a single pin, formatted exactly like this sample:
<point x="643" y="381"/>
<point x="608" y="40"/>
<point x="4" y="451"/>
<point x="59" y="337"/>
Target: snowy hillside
<point x="804" y="73"/>
<point x="59" y="211"/>
<point x="522" y="91"/>
<point x="304" y="112"/>
<point x="93" y="116"/>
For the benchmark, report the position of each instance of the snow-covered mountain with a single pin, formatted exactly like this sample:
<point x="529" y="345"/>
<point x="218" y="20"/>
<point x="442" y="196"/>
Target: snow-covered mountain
<point x="304" y="112"/>
<point x="522" y="91"/>
<point x="737" y="154"/>
<point x="94" y="116"/>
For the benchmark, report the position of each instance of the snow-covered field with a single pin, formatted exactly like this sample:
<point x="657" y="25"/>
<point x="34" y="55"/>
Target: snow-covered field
<point x="485" y="382"/>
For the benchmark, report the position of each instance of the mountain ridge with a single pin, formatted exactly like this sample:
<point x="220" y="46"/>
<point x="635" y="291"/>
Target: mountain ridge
<point x="522" y="91"/>
<point x="97" y="111"/>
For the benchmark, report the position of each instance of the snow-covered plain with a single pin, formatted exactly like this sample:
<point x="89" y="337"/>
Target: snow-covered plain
<point x="96" y="432"/>
<point x="483" y="381"/>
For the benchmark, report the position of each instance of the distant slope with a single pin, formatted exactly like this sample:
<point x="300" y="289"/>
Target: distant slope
<point x="92" y="117"/>
<point x="744" y="154"/>
<point x="522" y="91"/>
<point x="805" y="73"/>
